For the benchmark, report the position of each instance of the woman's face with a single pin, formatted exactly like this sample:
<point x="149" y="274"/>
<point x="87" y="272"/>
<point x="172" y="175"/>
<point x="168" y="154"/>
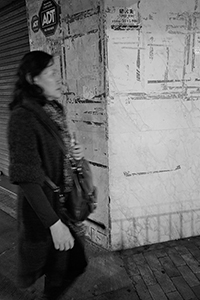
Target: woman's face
<point x="49" y="81"/>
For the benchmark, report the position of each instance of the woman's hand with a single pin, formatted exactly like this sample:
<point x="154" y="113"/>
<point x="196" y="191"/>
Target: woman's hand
<point x="62" y="237"/>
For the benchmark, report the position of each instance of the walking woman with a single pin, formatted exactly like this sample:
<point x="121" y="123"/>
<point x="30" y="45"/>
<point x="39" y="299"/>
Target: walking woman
<point x="46" y="246"/>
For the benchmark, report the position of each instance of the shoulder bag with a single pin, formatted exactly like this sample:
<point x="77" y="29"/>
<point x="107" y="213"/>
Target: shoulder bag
<point x="81" y="201"/>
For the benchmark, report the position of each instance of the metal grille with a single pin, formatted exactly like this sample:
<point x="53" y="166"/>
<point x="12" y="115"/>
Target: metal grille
<point x="14" y="43"/>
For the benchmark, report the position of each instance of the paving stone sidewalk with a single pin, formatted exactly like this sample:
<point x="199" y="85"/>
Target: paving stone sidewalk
<point x="162" y="271"/>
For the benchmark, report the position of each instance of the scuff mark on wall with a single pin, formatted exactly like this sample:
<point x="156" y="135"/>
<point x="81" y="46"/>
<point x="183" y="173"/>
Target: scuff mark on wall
<point x="54" y="45"/>
<point x="196" y="5"/>
<point x="166" y="74"/>
<point x="151" y="48"/>
<point x="128" y="173"/>
<point x="98" y="165"/>
<point x="138" y="62"/>
<point x="82" y="100"/>
<point x="96" y="111"/>
<point x="81" y="34"/>
<point x="193" y="45"/>
<point x="72" y="98"/>
<point x="81" y="16"/>
<point x="98" y="124"/>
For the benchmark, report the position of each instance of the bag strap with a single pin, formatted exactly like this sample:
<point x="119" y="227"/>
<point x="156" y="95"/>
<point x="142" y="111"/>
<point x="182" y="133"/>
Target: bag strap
<point x="59" y="141"/>
<point x="52" y="185"/>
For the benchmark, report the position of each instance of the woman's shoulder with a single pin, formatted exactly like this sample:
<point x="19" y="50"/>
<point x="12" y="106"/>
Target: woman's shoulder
<point x="21" y="118"/>
<point x="22" y="122"/>
<point x="20" y="113"/>
<point x="27" y="108"/>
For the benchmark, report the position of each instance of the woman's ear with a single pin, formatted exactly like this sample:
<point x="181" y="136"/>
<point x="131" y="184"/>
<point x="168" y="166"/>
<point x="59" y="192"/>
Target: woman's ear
<point x="35" y="80"/>
<point x="29" y="78"/>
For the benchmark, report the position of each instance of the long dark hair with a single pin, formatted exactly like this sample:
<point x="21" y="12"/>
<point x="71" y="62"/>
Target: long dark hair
<point x="31" y="65"/>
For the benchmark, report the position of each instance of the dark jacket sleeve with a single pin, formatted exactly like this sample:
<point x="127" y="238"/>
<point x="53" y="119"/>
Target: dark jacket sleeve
<point x="26" y="166"/>
<point x="37" y="199"/>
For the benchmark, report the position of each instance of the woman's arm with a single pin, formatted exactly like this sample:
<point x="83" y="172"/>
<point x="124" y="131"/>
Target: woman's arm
<point x="40" y="204"/>
<point x="61" y="235"/>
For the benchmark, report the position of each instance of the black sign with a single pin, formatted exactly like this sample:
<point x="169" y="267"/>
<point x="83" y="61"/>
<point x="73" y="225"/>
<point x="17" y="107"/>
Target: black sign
<point x="35" y="23"/>
<point x="49" y="17"/>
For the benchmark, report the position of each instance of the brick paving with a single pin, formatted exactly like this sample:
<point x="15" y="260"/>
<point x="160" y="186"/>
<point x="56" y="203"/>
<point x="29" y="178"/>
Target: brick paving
<point x="168" y="270"/>
<point x="165" y="271"/>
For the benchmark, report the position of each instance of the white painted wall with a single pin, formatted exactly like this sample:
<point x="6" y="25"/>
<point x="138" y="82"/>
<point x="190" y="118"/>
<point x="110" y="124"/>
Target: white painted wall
<point x="144" y="136"/>
<point x="153" y="120"/>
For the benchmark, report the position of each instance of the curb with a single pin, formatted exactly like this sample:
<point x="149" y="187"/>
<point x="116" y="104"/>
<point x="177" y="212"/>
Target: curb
<point x="8" y="202"/>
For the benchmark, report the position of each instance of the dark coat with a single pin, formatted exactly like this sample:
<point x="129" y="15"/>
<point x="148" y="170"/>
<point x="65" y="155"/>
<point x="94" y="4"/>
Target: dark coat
<point x="34" y="153"/>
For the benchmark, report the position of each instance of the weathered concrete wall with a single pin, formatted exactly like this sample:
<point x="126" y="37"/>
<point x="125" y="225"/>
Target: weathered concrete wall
<point x="78" y="46"/>
<point x="149" y="119"/>
<point x="83" y="45"/>
<point x="154" y="120"/>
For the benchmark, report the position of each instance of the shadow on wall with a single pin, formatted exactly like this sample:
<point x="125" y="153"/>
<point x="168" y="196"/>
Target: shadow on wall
<point x="155" y="228"/>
